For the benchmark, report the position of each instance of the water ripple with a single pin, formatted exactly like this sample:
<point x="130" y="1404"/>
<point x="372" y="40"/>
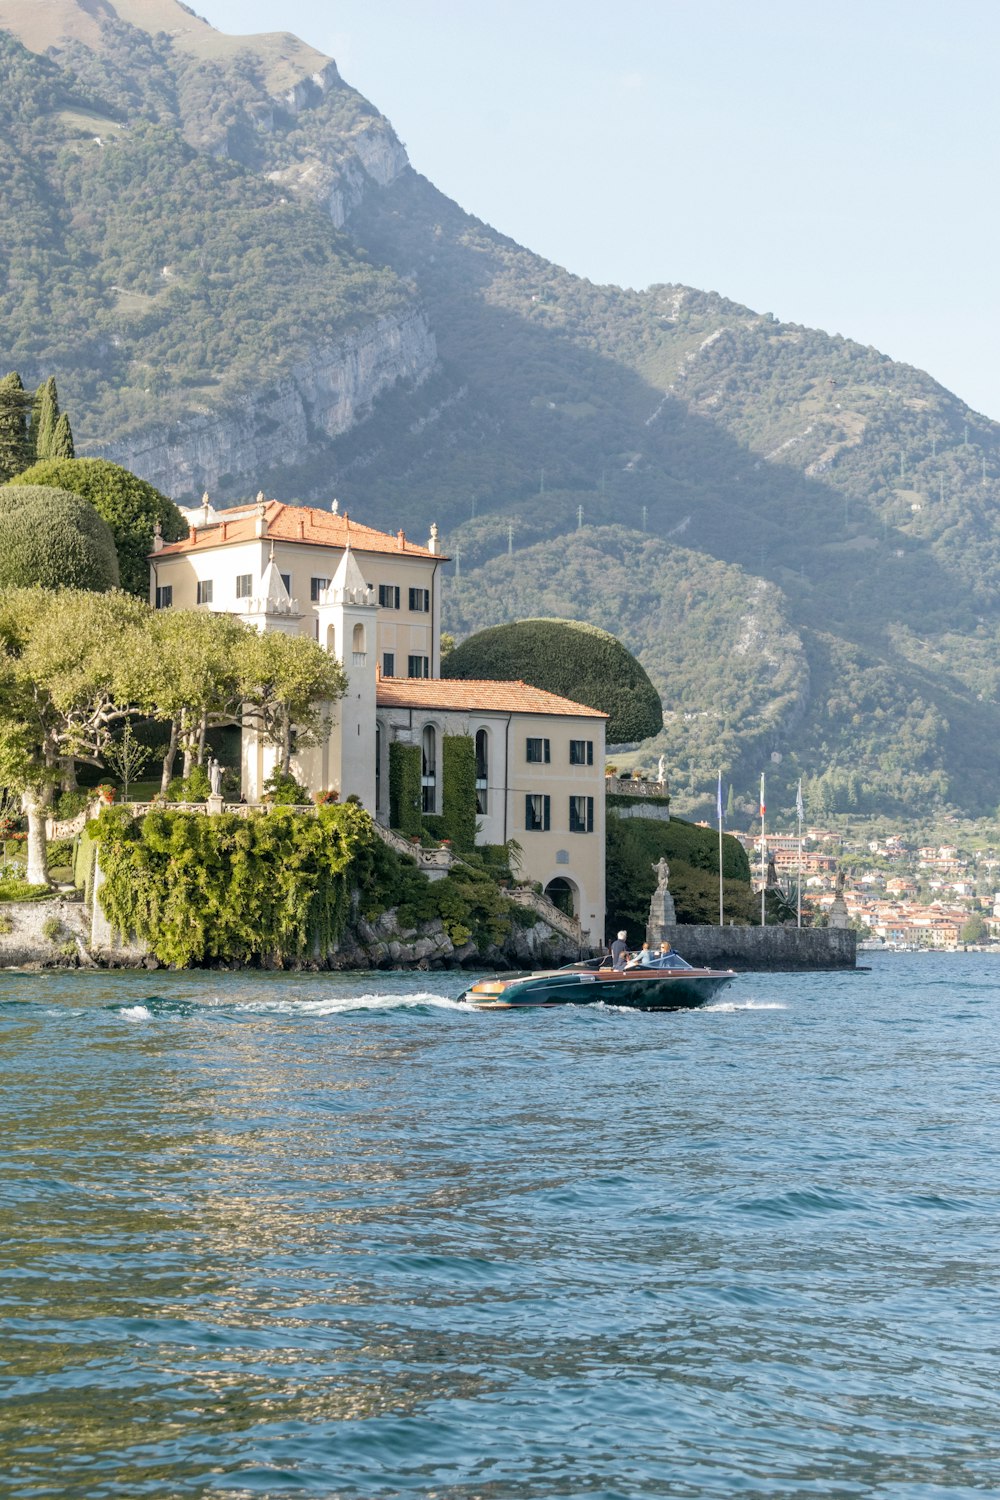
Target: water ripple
<point x="329" y="1235"/>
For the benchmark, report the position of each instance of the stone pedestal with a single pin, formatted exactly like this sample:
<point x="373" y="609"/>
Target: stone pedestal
<point x="214" y="805"/>
<point x="661" y="907"/>
<point x="838" y="916"/>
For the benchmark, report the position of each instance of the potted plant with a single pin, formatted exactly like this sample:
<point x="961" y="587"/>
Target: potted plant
<point x="106" y="792"/>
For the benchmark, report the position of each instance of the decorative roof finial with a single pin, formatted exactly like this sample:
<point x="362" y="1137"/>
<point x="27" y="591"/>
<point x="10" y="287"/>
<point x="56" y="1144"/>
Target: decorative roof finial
<point x="335" y="506"/>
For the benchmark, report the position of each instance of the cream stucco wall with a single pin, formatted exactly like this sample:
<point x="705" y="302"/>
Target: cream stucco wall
<point x="401" y="631"/>
<point x="548" y="855"/>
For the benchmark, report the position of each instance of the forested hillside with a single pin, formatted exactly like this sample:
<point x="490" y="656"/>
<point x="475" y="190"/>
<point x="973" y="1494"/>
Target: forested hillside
<point x="219" y="249"/>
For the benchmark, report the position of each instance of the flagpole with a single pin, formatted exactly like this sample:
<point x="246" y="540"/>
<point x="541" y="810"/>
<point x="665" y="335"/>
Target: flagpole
<point x="798" y="809"/>
<point x="719" y="810"/>
<point x="763" y="846"/>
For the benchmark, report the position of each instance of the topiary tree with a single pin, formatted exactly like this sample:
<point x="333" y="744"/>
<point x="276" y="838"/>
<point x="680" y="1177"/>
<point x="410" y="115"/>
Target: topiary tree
<point x="572" y="659"/>
<point x="54" y="539"/>
<point x="129" y="505"/>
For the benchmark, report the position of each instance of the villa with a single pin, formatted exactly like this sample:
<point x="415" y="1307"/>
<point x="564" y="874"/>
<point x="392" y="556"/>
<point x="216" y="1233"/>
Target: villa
<point x="373" y="599"/>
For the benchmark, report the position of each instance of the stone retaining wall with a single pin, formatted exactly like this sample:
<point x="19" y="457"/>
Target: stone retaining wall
<point x="31" y="922"/>
<point x="749" y="949"/>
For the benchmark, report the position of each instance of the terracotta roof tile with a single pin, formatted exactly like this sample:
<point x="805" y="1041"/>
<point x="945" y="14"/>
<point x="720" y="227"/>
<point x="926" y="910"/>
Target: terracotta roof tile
<point x="298" y="523"/>
<point x="461" y="693"/>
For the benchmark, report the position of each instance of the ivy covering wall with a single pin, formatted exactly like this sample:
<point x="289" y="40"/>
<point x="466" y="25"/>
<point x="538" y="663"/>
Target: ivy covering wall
<point x="458" y="798"/>
<point x="277" y="887"/>
<point x="404" y="787"/>
<point x="231" y="889"/>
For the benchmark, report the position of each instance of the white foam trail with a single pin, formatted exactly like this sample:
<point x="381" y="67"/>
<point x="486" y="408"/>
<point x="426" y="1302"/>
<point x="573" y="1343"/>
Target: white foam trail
<point x="136" y="1013"/>
<point x="344" y="1003"/>
<point x="747" y="1005"/>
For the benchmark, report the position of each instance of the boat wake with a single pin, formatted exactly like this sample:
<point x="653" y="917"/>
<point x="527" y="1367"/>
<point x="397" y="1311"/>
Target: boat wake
<point x="156" y="1008"/>
<point x="345" y="1004"/>
<point x="727" y="1005"/>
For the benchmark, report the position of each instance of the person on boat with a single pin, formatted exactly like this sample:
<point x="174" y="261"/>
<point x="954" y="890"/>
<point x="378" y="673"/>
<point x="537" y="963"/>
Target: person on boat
<point x="668" y="958"/>
<point x="642" y="959"/>
<point x="619" y="950"/>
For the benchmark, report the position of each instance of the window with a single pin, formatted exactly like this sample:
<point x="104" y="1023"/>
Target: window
<point x="286" y="579"/>
<point x="358" y="647"/>
<point x="420" y="600"/>
<point x="205" y="591"/>
<point x="482" y="771"/>
<point x="537" y="812"/>
<point x="428" y="770"/>
<point x="316" y="587"/>
<point x="165" y="596"/>
<point x="418" y="666"/>
<point x="244" y="585"/>
<point x="581" y="752"/>
<point x="388" y="595"/>
<point x="538" y="752"/>
<point x="581" y="815"/>
<point x="388" y="663"/>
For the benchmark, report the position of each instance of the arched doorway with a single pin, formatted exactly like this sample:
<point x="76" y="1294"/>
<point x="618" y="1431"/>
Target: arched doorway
<point x="564" y="894"/>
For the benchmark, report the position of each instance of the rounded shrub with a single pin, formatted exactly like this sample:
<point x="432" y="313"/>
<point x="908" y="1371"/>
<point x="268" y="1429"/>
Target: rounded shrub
<point x="54" y="539"/>
<point x="571" y="659"/>
<point x="129" y="505"/>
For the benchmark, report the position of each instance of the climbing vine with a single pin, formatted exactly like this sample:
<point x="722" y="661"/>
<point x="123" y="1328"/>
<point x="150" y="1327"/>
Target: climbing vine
<point x="273" y="887"/>
<point x="404" y="787"/>
<point x="458" y="799"/>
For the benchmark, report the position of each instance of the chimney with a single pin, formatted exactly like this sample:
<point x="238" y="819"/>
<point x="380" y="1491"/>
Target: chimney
<point x="302" y="528"/>
<point x="224" y="525"/>
<point x="260" y="523"/>
<point x="157" y="537"/>
<point x="193" y="534"/>
<point x="434" y="544"/>
<point x="401" y="540"/>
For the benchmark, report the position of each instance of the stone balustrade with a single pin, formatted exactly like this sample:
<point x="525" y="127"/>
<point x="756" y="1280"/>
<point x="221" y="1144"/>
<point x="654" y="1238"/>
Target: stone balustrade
<point x="630" y="786"/>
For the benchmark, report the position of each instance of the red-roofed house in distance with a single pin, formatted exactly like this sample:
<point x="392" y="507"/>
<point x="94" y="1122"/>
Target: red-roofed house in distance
<point x="374" y="600"/>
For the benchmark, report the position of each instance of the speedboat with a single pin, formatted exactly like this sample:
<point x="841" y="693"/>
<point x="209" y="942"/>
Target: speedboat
<point x="679" y="987"/>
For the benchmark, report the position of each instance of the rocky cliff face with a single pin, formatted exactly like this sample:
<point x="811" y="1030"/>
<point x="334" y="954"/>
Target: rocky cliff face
<point x="326" y="391"/>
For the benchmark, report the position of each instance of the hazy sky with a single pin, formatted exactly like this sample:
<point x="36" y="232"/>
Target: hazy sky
<point x="834" y="164"/>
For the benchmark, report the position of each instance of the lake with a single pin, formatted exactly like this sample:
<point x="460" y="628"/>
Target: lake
<point x="334" y="1235"/>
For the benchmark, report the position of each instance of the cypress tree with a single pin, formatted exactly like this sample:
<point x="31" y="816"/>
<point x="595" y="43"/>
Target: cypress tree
<point x="48" y="416"/>
<point x="36" y="412"/>
<point x="62" y="439"/>
<point x="14" y="405"/>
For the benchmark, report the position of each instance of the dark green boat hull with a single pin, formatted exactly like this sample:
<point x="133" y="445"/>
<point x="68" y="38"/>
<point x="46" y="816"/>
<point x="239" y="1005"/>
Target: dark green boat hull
<point x="640" y="989"/>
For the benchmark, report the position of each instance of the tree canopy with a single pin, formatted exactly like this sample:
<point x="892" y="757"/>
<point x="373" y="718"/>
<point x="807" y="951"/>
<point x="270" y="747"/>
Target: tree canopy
<point x="569" y="658"/>
<point x="129" y="505"/>
<point x="74" y="665"/>
<point x="55" y="539"/>
<point x="66" y="660"/>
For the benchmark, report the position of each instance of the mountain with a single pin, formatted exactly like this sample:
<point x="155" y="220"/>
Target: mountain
<point x="221" y="251"/>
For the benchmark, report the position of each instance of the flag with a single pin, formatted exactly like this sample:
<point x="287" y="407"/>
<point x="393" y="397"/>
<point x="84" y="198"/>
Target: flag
<point x="800" y="810"/>
<point x="718" y="800"/>
<point x="763" y="808"/>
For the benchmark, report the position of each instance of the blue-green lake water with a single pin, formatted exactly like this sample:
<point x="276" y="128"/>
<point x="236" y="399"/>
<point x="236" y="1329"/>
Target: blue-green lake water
<point x="327" y="1235"/>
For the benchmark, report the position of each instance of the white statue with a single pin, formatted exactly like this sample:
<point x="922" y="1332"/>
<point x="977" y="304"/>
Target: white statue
<point x="661" y="769"/>
<point x="215" y="777"/>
